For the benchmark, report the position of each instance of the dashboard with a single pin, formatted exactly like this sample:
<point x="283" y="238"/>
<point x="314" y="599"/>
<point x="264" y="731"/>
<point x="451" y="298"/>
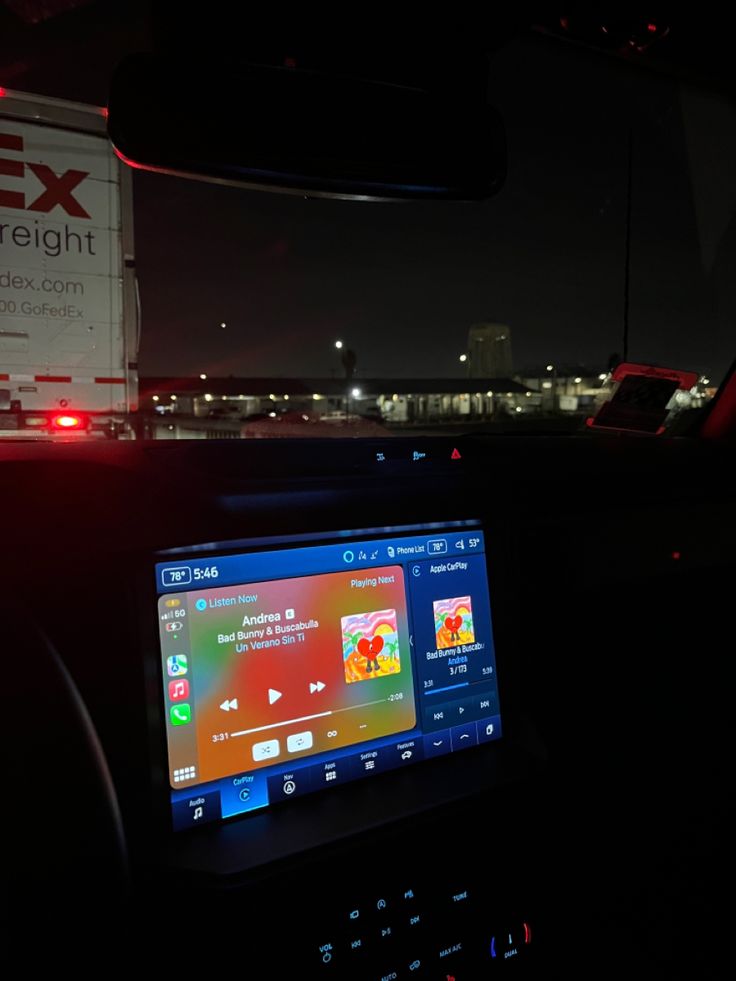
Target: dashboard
<point x="410" y="708"/>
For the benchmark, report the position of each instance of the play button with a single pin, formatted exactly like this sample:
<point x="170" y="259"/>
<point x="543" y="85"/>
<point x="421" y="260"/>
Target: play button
<point x="273" y="695"/>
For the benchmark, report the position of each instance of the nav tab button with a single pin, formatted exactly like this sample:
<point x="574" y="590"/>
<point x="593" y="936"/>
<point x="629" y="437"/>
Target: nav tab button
<point x="289" y="784"/>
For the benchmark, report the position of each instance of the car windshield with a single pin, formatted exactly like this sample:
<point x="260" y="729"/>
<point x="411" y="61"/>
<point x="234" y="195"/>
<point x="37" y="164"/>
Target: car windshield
<point x="260" y="314"/>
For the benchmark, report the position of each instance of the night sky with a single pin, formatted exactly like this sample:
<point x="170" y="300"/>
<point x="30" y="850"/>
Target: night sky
<point x="402" y="282"/>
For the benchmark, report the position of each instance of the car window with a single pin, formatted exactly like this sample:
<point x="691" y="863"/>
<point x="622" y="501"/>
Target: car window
<point x="266" y="314"/>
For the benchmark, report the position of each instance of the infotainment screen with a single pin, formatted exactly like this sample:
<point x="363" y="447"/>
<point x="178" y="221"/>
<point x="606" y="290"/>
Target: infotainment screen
<point x="294" y="665"/>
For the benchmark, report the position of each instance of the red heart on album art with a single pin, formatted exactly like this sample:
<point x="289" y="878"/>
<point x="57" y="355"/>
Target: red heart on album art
<point x="453" y="624"/>
<point x="370" y="648"/>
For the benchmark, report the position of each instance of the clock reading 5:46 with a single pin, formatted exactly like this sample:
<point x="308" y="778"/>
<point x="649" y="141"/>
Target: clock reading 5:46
<point x="208" y="572"/>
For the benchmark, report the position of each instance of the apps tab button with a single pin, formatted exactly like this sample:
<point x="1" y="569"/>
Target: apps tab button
<point x="332" y="772"/>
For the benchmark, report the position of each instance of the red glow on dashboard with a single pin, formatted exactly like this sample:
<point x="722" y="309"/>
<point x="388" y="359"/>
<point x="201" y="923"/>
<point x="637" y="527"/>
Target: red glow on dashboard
<point x="527" y="934"/>
<point x="676" y="555"/>
<point x="3" y="92"/>
<point x="652" y="28"/>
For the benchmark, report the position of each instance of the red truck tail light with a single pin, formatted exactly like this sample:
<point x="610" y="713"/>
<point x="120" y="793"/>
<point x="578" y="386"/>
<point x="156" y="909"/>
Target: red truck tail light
<point x="69" y="420"/>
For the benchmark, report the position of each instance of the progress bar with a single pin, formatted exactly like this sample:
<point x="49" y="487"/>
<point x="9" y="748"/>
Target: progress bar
<point x="306" y="718"/>
<point x="436" y="691"/>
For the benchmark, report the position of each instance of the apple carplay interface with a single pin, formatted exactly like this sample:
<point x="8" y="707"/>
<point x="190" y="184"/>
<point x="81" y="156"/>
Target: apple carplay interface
<point x="296" y="665"/>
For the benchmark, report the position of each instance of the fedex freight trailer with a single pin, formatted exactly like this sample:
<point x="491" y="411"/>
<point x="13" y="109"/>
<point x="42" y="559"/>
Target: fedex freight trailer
<point x="69" y="325"/>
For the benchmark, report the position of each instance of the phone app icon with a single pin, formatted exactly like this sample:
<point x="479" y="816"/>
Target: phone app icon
<point x="177" y="664"/>
<point x="178" y="689"/>
<point x="180" y="715"/>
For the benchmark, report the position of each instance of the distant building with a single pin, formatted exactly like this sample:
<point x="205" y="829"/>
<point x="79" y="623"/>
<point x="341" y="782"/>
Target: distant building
<point x="564" y="387"/>
<point x="489" y="351"/>
<point x="301" y="401"/>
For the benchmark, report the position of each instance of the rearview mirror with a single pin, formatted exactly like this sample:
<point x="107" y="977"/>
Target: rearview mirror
<point x="306" y="131"/>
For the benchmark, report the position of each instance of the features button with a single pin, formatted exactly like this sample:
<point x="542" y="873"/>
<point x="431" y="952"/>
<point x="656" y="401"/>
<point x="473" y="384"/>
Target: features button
<point x="297" y="742"/>
<point x="267" y="750"/>
<point x="194" y="810"/>
<point x="463" y="736"/>
<point x="437" y="743"/>
<point x="407" y="751"/>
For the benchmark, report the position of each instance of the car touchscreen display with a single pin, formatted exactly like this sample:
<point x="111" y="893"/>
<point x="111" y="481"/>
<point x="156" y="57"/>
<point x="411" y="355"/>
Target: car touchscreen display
<point x="291" y="666"/>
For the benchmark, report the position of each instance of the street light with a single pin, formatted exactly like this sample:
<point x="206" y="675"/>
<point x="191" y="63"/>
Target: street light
<point x="550" y="367"/>
<point x="338" y="345"/>
<point x="463" y="358"/>
<point x="355" y="393"/>
<point x="203" y="376"/>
